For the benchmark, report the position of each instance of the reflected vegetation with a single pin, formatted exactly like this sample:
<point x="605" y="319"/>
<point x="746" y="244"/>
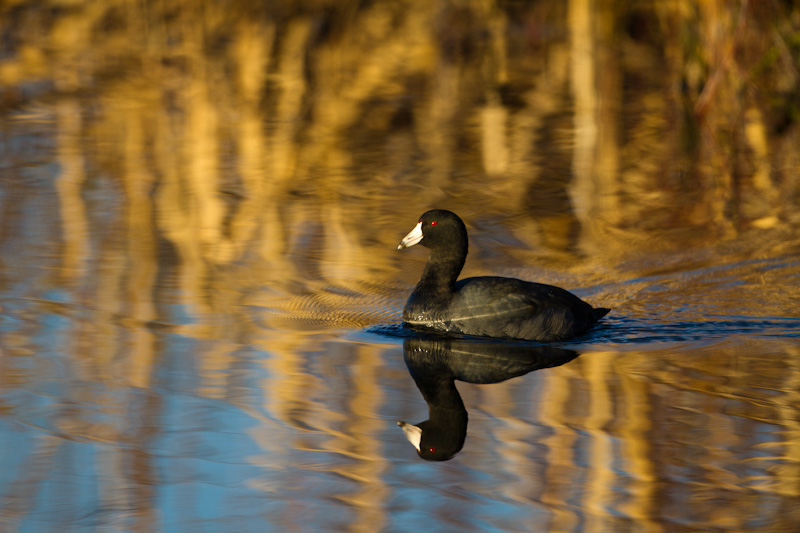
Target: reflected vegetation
<point x="199" y="207"/>
<point x="436" y="364"/>
<point x="298" y="136"/>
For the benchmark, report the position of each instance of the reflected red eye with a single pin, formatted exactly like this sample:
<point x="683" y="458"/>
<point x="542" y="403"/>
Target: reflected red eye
<point x="433" y="223"/>
<point x="431" y="450"/>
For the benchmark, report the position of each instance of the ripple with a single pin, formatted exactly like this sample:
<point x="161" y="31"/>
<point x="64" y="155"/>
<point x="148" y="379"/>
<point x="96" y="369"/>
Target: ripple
<point x="332" y="308"/>
<point x="624" y="329"/>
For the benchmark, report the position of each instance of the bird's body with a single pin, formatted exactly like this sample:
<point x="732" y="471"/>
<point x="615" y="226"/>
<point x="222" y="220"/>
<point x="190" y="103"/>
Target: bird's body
<point x="488" y="306"/>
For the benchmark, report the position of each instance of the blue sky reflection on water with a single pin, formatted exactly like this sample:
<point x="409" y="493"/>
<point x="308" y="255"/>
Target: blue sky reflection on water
<point x="218" y="447"/>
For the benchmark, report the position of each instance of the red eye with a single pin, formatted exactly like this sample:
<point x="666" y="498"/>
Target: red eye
<point x="433" y="223"/>
<point x="431" y="450"/>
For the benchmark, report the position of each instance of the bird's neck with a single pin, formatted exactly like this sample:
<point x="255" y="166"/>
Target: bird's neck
<point x="441" y="273"/>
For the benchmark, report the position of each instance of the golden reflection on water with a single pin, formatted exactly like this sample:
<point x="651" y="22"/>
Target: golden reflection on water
<point x="198" y="213"/>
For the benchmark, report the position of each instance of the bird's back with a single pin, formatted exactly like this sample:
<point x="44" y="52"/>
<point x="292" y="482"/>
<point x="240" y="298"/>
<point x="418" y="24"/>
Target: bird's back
<point x="512" y="308"/>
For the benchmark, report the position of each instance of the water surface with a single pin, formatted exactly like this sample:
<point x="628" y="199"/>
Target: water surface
<point x="200" y="292"/>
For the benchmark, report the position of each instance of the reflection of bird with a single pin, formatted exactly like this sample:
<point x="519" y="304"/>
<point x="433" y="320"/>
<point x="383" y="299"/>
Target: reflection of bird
<point x="435" y="364"/>
<point x="488" y="306"/>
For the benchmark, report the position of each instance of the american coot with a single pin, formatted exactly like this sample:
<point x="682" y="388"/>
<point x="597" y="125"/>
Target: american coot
<point x="488" y="306"/>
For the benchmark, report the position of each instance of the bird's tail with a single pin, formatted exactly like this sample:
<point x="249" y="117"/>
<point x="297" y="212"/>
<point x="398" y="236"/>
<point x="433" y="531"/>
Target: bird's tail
<point x="599" y="312"/>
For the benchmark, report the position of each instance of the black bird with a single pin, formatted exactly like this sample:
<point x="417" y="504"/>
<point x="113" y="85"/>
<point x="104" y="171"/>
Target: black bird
<point x="488" y="306"/>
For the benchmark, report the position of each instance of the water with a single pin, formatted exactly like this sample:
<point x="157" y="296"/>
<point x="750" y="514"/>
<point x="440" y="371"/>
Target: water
<point x="201" y="296"/>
